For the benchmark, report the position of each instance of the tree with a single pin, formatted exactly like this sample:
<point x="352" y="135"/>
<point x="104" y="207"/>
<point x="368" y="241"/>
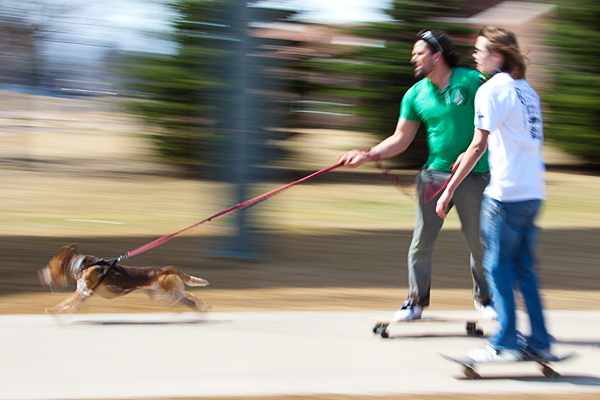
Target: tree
<point x="215" y="98"/>
<point x="574" y="100"/>
<point x="214" y="84"/>
<point x="384" y="72"/>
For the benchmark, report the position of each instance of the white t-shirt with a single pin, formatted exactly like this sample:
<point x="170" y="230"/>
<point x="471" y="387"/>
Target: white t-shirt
<point x="511" y="111"/>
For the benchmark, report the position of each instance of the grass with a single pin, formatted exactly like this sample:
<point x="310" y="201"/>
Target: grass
<point x="345" y="230"/>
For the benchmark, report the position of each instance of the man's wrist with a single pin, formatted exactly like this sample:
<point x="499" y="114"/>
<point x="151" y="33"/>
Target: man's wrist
<point x="369" y="154"/>
<point x="373" y="156"/>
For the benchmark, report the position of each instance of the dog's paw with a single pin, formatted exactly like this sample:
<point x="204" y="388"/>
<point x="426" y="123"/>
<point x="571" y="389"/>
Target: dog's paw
<point x="193" y="281"/>
<point x="57" y="317"/>
<point x="206" y="307"/>
<point x="200" y="282"/>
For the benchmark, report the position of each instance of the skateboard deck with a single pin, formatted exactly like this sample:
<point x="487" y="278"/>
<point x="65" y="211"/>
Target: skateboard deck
<point x="470" y="372"/>
<point x="380" y="325"/>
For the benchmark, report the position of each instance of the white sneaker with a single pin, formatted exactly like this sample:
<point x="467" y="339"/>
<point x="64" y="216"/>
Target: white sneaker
<point x="408" y="312"/>
<point x="490" y="354"/>
<point x="488" y="312"/>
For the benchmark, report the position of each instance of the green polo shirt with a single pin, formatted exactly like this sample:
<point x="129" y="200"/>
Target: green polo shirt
<point x="449" y="117"/>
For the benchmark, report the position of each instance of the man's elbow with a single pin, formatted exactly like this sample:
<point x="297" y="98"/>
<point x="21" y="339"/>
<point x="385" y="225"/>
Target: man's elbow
<point x="477" y="149"/>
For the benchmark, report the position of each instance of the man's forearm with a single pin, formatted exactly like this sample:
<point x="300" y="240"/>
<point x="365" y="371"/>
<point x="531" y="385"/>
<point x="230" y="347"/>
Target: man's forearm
<point x="472" y="155"/>
<point x="398" y="142"/>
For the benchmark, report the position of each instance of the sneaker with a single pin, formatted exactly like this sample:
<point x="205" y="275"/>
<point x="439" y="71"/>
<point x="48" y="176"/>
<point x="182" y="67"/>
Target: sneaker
<point x="544" y="354"/>
<point x="490" y="354"/>
<point x="408" y="312"/>
<point x="488" y="312"/>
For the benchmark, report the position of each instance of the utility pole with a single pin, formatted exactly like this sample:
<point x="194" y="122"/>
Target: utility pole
<point x="243" y="123"/>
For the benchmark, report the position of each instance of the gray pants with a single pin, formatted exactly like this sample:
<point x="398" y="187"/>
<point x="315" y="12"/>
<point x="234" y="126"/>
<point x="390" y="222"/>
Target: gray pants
<point x="467" y="199"/>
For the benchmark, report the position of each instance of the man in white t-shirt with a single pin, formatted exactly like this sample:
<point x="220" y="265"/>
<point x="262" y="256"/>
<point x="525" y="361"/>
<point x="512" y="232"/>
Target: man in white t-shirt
<point x="508" y="121"/>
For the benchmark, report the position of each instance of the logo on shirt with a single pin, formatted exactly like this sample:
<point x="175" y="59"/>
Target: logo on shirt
<point x="479" y="115"/>
<point x="457" y="96"/>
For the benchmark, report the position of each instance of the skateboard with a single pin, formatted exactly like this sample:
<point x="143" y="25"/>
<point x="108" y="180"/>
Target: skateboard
<point x="381" y="325"/>
<point x="470" y="372"/>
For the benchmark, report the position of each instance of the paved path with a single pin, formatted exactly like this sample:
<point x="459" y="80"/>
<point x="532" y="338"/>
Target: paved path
<point x="268" y="353"/>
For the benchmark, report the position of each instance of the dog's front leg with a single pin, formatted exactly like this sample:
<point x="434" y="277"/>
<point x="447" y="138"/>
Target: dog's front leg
<point x="69" y="304"/>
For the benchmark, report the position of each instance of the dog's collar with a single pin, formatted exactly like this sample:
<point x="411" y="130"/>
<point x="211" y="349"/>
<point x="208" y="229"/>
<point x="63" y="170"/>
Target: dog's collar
<point x="75" y="265"/>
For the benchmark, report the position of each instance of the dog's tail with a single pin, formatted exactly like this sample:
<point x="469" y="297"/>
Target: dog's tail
<point x="187" y="279"/>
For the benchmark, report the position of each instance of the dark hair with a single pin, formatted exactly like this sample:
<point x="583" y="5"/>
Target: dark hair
<point x="505" y="42"/>
<point x="440" y="40"/>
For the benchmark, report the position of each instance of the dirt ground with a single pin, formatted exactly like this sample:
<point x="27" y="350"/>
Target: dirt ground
<point x="308" y="272"/>
<point x="78" y="172"/>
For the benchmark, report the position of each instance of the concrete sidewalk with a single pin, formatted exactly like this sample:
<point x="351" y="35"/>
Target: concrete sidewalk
<point x="269" y="353"/>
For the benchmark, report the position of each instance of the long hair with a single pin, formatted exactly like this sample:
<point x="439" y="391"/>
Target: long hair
<point x="451" y="56"/>
<point x="505" y="42"/>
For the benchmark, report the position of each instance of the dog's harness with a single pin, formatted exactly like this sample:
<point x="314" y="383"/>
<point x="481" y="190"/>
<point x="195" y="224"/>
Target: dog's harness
<point x="77" y="266"/>
<point x="110" y="263"/>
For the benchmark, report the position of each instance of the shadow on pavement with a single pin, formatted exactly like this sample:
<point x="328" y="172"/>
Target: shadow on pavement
<point x="577" y="380"/>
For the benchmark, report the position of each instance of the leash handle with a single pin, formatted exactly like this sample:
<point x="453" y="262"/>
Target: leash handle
<point x="241" y="206"/>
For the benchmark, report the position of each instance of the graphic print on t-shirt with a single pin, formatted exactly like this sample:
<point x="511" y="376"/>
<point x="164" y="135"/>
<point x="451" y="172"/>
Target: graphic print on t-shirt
<point x="533" y="113"/>
<point x="457" y="96"/>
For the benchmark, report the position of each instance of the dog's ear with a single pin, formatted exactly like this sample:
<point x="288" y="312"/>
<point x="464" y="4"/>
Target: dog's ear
<point x="68" y="251"/>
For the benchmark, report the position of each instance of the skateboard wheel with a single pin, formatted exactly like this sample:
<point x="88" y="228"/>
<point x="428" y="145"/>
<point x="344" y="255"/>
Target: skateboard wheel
<point x="472" y="374"/>
<point x="472" y="329"/>
<point x="550" y="373"/>
<point x="384" y="333"/>
<point x="377" y="329"/>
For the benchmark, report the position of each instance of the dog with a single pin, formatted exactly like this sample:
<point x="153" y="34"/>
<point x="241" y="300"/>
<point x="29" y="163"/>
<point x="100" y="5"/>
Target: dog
<point x="89" y="273"/>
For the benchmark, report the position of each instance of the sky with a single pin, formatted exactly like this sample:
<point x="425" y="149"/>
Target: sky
<point x="127" y="24"/>
<point x="137" y="16"/>
<point x="337" y="11"/>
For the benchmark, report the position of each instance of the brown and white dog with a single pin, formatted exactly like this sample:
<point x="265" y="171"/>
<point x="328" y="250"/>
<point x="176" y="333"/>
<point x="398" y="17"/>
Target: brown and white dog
<point x="87" y="271"/>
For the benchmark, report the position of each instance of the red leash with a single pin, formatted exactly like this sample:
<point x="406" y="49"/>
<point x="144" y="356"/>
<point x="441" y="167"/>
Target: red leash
<point x="430" y="191"/>
<point x="406" y="188"/>
<point x="241" y="206"/>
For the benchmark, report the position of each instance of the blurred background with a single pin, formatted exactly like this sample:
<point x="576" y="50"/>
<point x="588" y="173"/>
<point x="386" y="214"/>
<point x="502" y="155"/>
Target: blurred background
<point x="123" y="121"/>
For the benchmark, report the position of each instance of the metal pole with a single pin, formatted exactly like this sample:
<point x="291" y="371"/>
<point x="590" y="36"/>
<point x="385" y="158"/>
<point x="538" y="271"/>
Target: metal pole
<point x="242" y="244"/>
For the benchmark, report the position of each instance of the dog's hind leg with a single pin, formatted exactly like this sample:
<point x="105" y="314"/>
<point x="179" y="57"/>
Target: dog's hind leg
<point x="172" y="287"/>
<point x="185" y="278"/>
<point x="194" y="302"/>
<point x="69" y="304"/>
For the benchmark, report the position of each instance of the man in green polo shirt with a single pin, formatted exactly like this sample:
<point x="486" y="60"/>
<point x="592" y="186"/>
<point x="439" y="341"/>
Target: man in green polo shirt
<point x="443" y="99"/>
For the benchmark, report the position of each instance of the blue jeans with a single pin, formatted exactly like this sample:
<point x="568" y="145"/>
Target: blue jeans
<point x="467" y="199"/>
<point x="509" y="236"/>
